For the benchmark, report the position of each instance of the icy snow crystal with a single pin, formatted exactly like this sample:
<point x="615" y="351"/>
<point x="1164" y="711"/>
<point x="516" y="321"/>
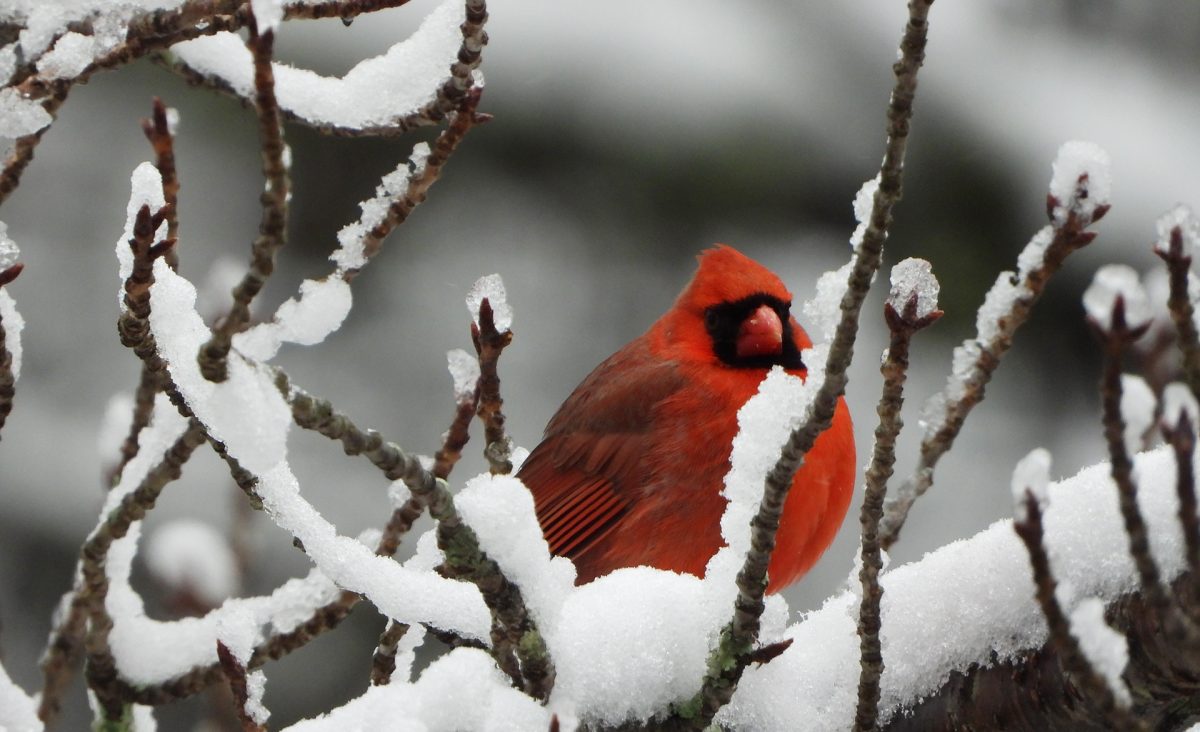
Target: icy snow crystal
<point x="492" y="288"/>
<point x="1106" y="649"/>
<point x="1137" y="410"/>
<point x="914" y="276"/>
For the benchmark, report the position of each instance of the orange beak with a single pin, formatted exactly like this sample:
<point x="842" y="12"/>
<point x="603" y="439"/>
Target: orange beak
<point x="761" y="334"/>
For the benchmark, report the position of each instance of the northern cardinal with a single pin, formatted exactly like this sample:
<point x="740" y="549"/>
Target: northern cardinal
<point x="631" y="467"/>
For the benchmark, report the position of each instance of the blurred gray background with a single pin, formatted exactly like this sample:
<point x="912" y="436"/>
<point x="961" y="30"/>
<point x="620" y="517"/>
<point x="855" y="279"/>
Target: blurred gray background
<point x="628" y="136"/>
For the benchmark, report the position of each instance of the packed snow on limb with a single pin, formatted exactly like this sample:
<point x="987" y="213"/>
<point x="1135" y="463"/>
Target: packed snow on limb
<point x="1105" y="649"/>
<point x="374" y="93"/>
<point x="970" y="602"/>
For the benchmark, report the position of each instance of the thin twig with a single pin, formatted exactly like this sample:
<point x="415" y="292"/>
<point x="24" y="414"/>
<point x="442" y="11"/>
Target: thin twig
<point x="738" y="638"/>
<point x="235" y="674"/>
<point x="449" y="98"/>
<point x="1179" y="303"/>
<point x="101" y="669"/>
<point x="423" y="179"/>
<point x="1182" y="438"/>
<point x="902" y="325"/>
<point x="1115" y="339"/>
<point x="22" y="153"/>
<point x="158" y="132"/>
<point x="968" y="387"/>
<point x="383" y="663"/>
<point x="465" y="559"/>
<point x="1074" y="662"/>
<point x="272" y="228"/>
<point x="489" y="344"/>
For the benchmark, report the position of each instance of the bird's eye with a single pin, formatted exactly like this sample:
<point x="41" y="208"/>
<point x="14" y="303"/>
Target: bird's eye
<point x="710" y="319"/>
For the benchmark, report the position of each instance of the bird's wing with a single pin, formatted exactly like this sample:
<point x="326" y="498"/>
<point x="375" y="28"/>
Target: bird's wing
<point x="584" y="474"/>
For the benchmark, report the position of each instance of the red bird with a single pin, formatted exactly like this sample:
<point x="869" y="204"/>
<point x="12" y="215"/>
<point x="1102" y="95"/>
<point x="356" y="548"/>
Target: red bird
<point x="631" y="467"/>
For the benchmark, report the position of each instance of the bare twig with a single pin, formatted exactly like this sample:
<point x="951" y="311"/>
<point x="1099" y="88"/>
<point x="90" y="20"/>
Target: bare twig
<point x="158" y="132"/>
<point x="738" y="638"/>
<point x="24" y="147"/>
<point x="235" y="673"/>
<point x="1179" y="303"/>
<point x="489" y="344"/>
<point x="1115" y="339"/>
<point x="902" y="325"/>
<point x="272" y="228"/>
<point x="968" y="386"/>
<point x="1029" y="528"/>
<point x="1182" y="438"/>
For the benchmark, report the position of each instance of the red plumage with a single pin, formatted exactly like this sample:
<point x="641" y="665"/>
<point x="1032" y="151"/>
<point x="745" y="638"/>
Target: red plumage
<point x="631" y="467"/>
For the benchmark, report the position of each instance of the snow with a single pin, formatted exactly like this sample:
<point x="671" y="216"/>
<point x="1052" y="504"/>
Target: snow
<point x="1180" y="217"/>
<point x="20" y="116"/>
<point x="500" y="510"/>
<point x="1113" y="281"/>
<point x="114" y="426"/>
<point x="1081" y="181"/>
<point x="249" y="415"/>
<point x="435" y="702"/>
<point x="997" y="304"/>
<point x="1138" y="405"/>
<point x="464" y="371"/>
<point x="492" y="288"/>
<point x="914" y="276"/>
<point x="13" y="324"/>
<point x="351" y="251"/>
<point x="71" y="55"/>
<point x="1177" y="400"/>
<point x="322" y="307"/>
<point x="864" y="201"/>
<point x="1032" y="475"/>
<point x="239" y="632"/>
<point x="146" y="185"/>
<point x="374" y="93"/>
<point x="824" y="311"/>
<point x="953" y="607"/>
<point x="190" y="555"/>
<point x="18" y="711"/>
<point x="1105" y="649"/>
<point x="268" y="14"/>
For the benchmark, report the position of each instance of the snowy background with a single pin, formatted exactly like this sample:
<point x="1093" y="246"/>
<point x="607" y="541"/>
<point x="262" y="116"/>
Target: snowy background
<point x="627" y="138"/>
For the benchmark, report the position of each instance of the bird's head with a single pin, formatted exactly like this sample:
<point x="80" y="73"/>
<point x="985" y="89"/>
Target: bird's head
<point x="736" y="312"/>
